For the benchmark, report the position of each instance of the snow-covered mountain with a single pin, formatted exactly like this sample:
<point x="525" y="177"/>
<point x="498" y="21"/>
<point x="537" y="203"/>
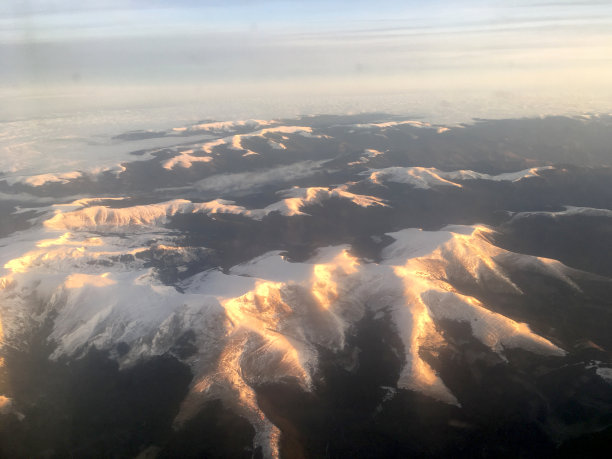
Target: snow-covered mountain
<point x="268" y="273"/>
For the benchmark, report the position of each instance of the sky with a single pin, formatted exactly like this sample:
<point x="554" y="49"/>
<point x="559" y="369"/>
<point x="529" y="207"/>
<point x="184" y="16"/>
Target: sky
<point x="62" y="56"/>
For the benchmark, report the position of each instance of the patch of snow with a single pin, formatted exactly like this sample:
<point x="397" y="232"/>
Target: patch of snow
<point x="277" y="145"/>
<point x="101" y="218"/>
<point x="228" y="126"/>
<point x="371" y="153"/>
<point x="209" y="146"/>
<point x="605" y="374"/>
<point x="264" y="320"/>
<point x="389" y="124"/>
<point x="296" y="198"/>
<point x="185" y="159"/>
<point x="427" y="177"/>
<point x="569" y="212"/>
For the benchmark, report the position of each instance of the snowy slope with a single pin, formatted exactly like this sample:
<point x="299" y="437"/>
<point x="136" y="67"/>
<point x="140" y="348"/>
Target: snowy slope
<point x="262" y="321"/>
<point x="427" y="177"/>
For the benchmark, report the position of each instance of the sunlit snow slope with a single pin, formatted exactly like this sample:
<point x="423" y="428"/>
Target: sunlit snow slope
<point x="264" y="245"/>
<point x="265" y="319"/>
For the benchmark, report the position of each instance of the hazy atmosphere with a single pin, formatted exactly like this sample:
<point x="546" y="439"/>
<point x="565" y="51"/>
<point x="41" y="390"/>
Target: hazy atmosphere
<point x="291" y="57"/>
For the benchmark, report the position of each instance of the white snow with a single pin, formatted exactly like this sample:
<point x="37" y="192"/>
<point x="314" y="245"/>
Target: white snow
<point x="569" y="211"/>
<point x="605" y="374"/>
<point x="209" y="146"/>
<point x="185" y="159"/>
<point x="61" y="177"/>
<point x="36" y="151"/>
<point x="265" y="319"/>
<point x="101" y="218"/>
<point x="42" y="179"/>
<point x="277" y="145"/>
<point x="217" y="284"/>
<point x="296" y="198"/>
<point x="388" y="124"/>
<point x="28" y="148"/>
<point x="274" y="267"/>
<point x="228" y="126"/>
<point x="123" y="219"/>
<point x="412" y="243"/>
<point x="427" y="177"/>
<point x="368" y="154"/>
<point x="371" y="153"/>
<point x="235" y="142"/>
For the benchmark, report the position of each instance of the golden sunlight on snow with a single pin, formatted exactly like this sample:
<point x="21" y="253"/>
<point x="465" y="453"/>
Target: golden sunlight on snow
<point x="81" y="280"/>
<point x="21" y="264"/>
<point x="5" y="404"/>
<point x="271" y="329"/>
<point x="324" y="286"/>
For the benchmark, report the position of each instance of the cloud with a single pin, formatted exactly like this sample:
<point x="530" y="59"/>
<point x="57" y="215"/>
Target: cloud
<point x="249" y="181"/>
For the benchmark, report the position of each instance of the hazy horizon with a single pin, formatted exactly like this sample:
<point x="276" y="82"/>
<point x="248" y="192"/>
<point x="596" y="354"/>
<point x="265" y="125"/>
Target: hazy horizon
<point x="257" y="58"/>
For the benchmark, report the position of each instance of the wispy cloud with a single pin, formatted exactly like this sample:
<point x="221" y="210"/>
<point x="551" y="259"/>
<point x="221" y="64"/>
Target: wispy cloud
<point x="249" y="181"/>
